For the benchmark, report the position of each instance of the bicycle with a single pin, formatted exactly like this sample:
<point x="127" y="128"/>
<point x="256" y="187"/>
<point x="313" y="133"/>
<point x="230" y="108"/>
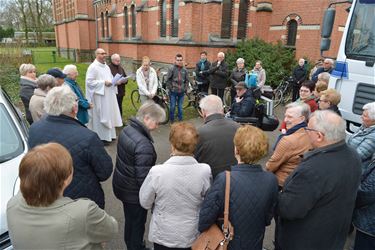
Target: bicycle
<point x="283" y="92"/>
<point x="194" y="96"/>
<point x="160" y="98"/>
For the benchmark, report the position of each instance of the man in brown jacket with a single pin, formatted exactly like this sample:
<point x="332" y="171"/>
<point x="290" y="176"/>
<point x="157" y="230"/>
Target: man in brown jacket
<point x="290" y="147"/>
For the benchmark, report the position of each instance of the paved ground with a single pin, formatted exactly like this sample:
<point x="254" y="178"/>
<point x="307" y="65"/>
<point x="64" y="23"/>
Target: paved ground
<point x="162" y="146"/>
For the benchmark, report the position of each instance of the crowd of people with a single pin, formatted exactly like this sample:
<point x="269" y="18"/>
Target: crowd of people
<point x="315" y="185"/>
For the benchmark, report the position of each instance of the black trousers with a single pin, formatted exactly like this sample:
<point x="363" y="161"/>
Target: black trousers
<point x="119" y="102"/>
<point x="295" y="94"/>
<point x="161" y="247"/>
<point x="364" y="241"/>
<point x="135" y="219"/>
<point x="203" y="87"/>
<point x="218" y="92"/>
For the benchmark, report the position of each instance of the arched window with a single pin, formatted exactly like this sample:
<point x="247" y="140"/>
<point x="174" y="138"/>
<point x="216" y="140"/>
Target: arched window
<point x="242" y="19"/>
<point x="292" y="32"/>
<point x="126" y="22"/>
<point x="102" y="24"/>
<point x="175" y="19"/>
<point x="163" y="18"/>
<point x="107" y="23"/>
<point x="226" y="21"/>
<point x="134" y="20"/>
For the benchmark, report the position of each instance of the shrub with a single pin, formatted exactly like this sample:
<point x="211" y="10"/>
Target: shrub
<point x="277" y="60"/>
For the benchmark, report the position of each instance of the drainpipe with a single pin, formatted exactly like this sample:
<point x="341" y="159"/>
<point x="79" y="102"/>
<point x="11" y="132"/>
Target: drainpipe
<point x="96" y="27"/>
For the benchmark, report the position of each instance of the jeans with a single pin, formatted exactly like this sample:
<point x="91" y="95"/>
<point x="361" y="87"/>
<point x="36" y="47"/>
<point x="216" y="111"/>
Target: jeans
<point x="364" y="241"/>
<point x="161" y="247"/>
<point x="218" y="92"/>
<point x="135" y="219"/>
<point x="179" y="99"/>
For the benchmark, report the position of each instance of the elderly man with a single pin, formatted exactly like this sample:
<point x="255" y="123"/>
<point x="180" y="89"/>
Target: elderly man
<point x="327" y="67"/>
<point x="215" y="146"/>
<point x="299" y="76"/>
<point x="116" y="68"/>
<point x="58" y="74"/>
<point x="91" y="162"/>
<point x="316" y="204"/>
<point x="218" y="75"/>
<point x="290" y="146"/>
<point x="243" y="104"/>
<point x="101" y="92"/>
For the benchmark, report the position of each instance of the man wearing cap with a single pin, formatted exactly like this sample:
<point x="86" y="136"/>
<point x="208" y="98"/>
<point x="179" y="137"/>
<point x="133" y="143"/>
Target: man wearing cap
<point x="243" y="105"/>
<point x="58" y="74"/>
<point x="101" y="92"/>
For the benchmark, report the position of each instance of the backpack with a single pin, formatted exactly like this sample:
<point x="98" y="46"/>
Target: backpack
<point x="251" y="79"/>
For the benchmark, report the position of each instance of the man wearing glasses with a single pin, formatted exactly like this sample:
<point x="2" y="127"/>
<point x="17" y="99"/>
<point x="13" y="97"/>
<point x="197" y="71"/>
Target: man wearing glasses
<point x="327" y="67"/>
<point x="316" y="203"/>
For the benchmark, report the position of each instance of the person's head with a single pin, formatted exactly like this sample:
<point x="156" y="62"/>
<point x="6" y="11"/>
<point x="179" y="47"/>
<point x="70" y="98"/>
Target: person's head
<point x="44" y="172"/>
<point x="150" y="114"/>
<point x="100" y="55"/>
<point x="296" y="113"/>
<point x="179" y="60"/>
<point x="61" y="100"/>
<point x="325" y="127"/>
<point x="328" y="63"/>
<point x="203" y="55"/>
<point x="328" y="98"/>
<point x="250" y="144"/>
<point x="324" y="76"/>
<point x="319" y="87"/>
<point x="301" y="62"/>
<point x="46" y="82"/>
<point x="306" y="90"/>
<point x="258" y="64"/>
<point x="240" y="63"/>
<point x="240" y="89"/>
<point x="116" y="59"/>
<point x="145" y="63"/>
<point x="368" y="114"/>
<point x="211" y="104"/>
<point x="28" y="70"/>
<point x="58" y="74"/>
<point x="71" y="71"/>
<point x="220" y="56"/>
<point x="183" y="138"/>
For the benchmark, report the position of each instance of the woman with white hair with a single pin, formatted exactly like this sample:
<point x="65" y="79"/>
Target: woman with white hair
<point x="28" y="85"/>
<point x="364" y="139"/>
<point x="238" y="75"/>
<point x="45" y="82"/>
<point x="83" y="105"/>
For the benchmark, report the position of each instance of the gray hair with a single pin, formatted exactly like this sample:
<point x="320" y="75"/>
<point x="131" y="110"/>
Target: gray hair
<point x="151" y="110"/>
<point x="69" y="69"/>
<point x="114" y="56"/>
<point x="303" y="108"/>
<point x="324" y="76"/>
<point x="240" y="60"/>
<point x="329" y="60"/>
<point x="44" y="81"/>
<point x="221" y="54"/>
<point x="330" y="124"/>
<point x="370" y="107"/>
<point x="26" y="68"/>
<point x="60" y="100"/>
<point x="211" y="104"/>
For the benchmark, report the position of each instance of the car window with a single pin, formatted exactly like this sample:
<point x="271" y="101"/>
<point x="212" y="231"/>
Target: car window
<point x="11" y="144"/>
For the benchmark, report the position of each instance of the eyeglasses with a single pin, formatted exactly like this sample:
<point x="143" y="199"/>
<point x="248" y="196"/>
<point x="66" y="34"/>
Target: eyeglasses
<point x="314" y="130"/>
<point x="102" y="53"/>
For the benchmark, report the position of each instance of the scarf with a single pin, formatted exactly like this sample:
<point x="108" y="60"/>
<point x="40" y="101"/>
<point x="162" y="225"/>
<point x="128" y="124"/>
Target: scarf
<point x="202" y="64"/>
<point x="289" y="132"/>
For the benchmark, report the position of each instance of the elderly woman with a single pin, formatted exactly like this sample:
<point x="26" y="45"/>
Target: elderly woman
<point x="83" y="105"/>
<point x="320" y="86"/>
<point x="364" y="139"/>
<point x="39" y="217"/>
<point x="238" y="75"/>
<point x="28" y="85"/>
<point x="175" y="191"/>
<point x="253" y="192"/>
<point x="135" y="157"/>
<point x="329" y="99"/>
<point x="45" y="83"/>
<point x="147" y="80"/>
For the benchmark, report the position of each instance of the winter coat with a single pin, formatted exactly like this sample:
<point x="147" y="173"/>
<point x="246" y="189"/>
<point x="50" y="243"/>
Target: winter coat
<point x="135" y="157"/>
<point x="316" y="204"/>
<point x="261" y="77"/>
<point x="215" y="146"/>
<point x="335" y="109"/>
<point x="36" y="104"/>
<point x="364" y="143"/>
<point x="364" y="213"/>
<point x="218" y="75"/>
<point x="244" y="108"/>
<point x="202" y="77"/>
<point x="91" y="162"/>
<point x="175" y="191"/>
<point x="299" y="75"/>
<point x="253" y="197"/>
<point x="152" y="86"/>
<point x="83" y="104"/>
<point x="177" y="79"/>
<point x="314" y="77"/>
<point x="26" y="92"/>
<point x="238" y="75"/>
<point x="118" y="69"/>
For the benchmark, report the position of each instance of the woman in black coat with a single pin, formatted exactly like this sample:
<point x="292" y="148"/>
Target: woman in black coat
<point x="253" y="193"/>
<point x="238" y="75"/>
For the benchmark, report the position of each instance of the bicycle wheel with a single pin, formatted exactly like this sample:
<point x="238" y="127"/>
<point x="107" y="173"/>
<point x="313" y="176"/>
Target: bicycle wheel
<point x="227" y="98"/>
<point x="200" y="96"/>
<point x="189" y="100"/>
<point x="136" y="100"/>
<point x="165" y="106"/>
<point x="287" y="97"/>
<point x="277" y="97"/>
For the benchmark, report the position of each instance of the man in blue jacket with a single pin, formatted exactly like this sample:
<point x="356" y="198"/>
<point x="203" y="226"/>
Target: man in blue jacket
<point x="243" y="105"/>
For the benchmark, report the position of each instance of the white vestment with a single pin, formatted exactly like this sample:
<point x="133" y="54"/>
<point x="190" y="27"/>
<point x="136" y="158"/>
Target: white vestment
<point x="105" y="115"/>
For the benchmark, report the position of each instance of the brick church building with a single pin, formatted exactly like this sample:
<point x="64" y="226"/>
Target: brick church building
<point x="161" y="28"/>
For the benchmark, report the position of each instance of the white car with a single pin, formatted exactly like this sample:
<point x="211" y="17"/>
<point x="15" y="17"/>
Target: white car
<point x="13" y="146"/>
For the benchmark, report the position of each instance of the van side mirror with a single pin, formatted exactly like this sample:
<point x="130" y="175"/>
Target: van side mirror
<point x="327" y="27"/>
<point x="325" y="43"/>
